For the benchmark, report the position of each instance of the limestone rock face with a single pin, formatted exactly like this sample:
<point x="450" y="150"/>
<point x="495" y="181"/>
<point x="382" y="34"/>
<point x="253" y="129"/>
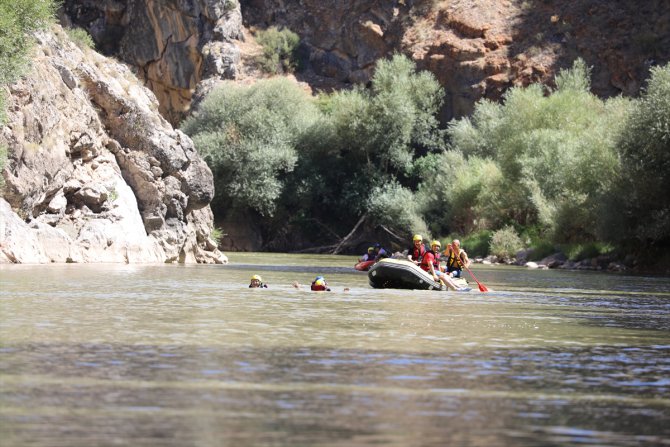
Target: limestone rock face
<point x="173" y="44"/>
<point x="95" y="174"/>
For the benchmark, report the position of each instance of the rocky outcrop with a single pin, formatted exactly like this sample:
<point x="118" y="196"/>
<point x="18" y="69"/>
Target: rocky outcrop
<point x="340" y="39"/>
<point x="95" y="174"/>
<point x="481" y="49"/>
<point x="478" y="49"/>
<point x="172" y="44"/>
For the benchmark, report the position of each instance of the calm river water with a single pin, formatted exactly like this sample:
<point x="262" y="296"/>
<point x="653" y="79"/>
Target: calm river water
<point x="95" y="355"/>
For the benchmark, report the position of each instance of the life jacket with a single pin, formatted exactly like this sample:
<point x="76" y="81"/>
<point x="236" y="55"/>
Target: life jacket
<point x="262" y="286"/>
<point x="320" y="287"/>
<point x="452" y="262"/>
<point x="427" y="260"/>
<point x="417" y="254"/>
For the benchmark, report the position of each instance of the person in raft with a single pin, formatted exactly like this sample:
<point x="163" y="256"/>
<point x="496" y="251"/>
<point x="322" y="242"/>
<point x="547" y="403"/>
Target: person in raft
<point x="431" y="264"/>
<point x="369" y="256"/>
<point x="417" y="250"/>
<point x="379" y="251"/>
<point x="457" y="259"/>
<point x="320" y="284"/>
<point x="257" y="282"/>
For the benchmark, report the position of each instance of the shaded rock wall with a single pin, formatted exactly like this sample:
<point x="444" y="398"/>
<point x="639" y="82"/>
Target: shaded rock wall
<point x="173" y="44"/>
<point x="95" y="174"/>
<point x="341" y="39"/>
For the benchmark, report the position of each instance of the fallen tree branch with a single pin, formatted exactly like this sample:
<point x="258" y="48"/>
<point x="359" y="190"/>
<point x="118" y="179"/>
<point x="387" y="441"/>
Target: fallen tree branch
<point x="350" y="235"/>
<point x="399" y="238"/>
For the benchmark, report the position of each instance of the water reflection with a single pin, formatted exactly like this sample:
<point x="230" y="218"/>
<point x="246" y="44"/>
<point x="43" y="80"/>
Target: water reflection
<point x="178" y="356"/>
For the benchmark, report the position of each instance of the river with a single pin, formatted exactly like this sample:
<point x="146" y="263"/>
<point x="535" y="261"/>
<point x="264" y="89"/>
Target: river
<point x="109" y="355"/>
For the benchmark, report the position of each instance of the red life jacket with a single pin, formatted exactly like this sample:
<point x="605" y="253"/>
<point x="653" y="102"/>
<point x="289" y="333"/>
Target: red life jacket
<point x="417" y="254"/>
<point x="430" y="258"/>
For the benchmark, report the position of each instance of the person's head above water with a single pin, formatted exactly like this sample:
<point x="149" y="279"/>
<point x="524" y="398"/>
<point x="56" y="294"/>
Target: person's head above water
<point x="320" y="284"/>
<point x="256" y="281"/>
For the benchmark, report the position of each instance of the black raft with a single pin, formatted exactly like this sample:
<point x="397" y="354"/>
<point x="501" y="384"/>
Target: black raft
<point x="402" y="274"/>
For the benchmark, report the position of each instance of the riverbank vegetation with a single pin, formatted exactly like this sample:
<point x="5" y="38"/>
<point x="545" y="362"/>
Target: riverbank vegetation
<point x="18" y="19"/>
<point x="555" y="168"/>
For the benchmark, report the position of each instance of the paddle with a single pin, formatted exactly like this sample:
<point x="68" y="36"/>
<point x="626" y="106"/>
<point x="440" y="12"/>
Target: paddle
<point x="482" y="287"/>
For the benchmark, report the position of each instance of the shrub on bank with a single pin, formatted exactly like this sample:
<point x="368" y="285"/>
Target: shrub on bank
<point x="248" y="136"/>
<point x="80" y="37"/>
<point x="475" y="244"/>
<point x="505" y="243"/>
<point x="645" y="174"/>
<point x="556" y="154"/>
<point x="279" y="50"/>
<point x="18" y="19"/>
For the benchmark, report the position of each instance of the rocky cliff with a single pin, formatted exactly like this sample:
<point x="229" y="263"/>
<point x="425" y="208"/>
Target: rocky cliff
<point x="476" y="49"/>
<point x="95" y="173"/>
<point x="172" y="45"/>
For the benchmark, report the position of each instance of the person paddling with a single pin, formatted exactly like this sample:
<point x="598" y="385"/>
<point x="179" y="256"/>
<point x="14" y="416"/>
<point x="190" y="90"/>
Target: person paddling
<point x="457" y="259"/>
<point x="431" y="264"/>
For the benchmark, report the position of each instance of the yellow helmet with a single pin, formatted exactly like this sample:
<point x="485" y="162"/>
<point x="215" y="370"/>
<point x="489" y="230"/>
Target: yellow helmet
<point x="417" y="237"/>
<point x="319" y="282"/>
<point x="257" y="277"/>
<point x="436" y="242"/>
<point x="371" y="248"/>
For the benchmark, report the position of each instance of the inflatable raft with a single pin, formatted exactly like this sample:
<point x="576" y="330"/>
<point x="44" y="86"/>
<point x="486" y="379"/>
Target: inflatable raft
<point x="402" y="274"/>
<point x="364" y="266"/>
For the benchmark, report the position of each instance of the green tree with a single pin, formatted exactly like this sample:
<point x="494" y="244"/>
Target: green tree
<point x="645" y="175"/>
<point x="248" y="135"/>
<point x="556" y="155"/>
<point x="369" y="138"/>
<point x="394" y="206"/>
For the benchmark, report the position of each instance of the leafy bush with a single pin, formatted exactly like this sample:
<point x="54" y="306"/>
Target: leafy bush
<point x="645" y="155"/>
<point x="505" y="243"/>
<point x="394" y="206"/>
<point x="279" y="50"/>
<point x="364" y="140"/>
<point x="556" y="156"/>
<point x="80" y="37"/>
<point x="19" y="18"/>
<point x="248" y="135"/>
<point x="477" y="243"/>
<point x="217" y="234"/>
<point x="229" y="5"/>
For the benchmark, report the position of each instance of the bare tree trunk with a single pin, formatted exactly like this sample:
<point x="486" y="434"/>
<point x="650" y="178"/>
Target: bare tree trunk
<point x="398" y="238"/>
<point x="350" y="235"/>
